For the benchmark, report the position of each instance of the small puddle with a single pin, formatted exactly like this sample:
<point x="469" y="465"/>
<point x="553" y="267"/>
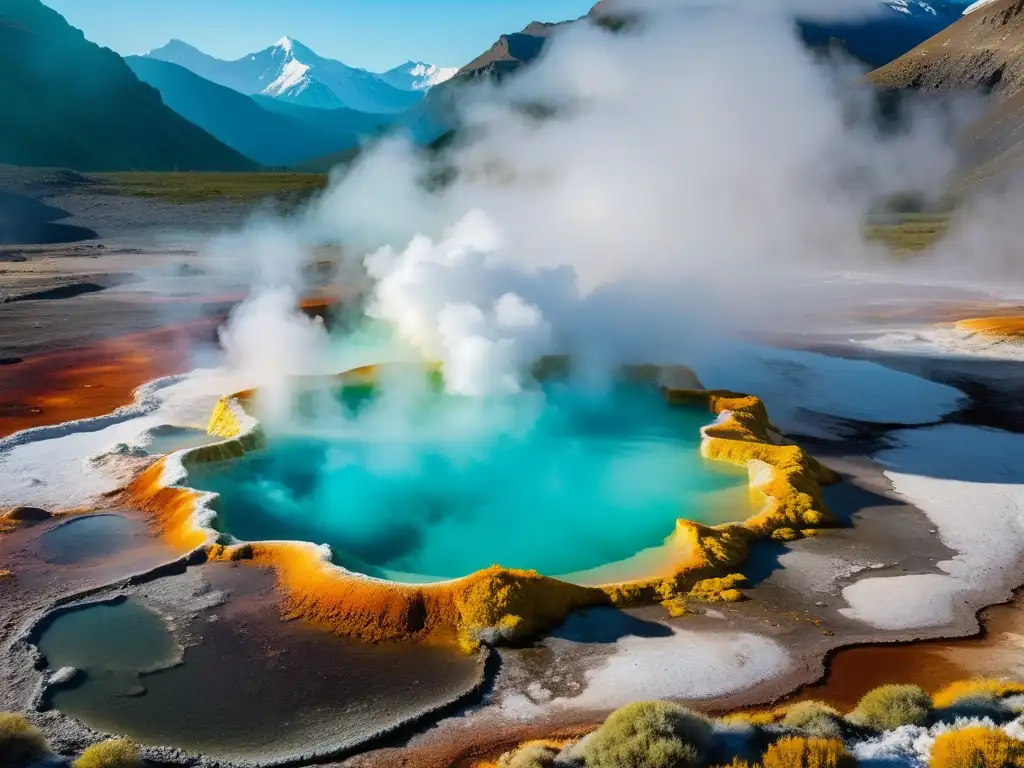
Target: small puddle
<point x="111" y="644"/>
<point x="251" y="687"/>
<point x="168" y="439"/>
<point x="86" y="538"/>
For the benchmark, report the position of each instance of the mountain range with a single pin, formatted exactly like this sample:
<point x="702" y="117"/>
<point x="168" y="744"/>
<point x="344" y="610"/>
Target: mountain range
<point x="271" y="132"/>
<point x="71" y="103"/>
<point x="291" y="72"/>
<point x="178" y="107"/>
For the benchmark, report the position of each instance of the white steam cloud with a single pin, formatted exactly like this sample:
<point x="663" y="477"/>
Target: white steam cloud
<point x="694" y="174"/>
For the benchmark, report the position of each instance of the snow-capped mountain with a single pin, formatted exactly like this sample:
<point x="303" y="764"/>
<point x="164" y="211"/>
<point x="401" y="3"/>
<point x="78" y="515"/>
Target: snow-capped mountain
<point x="910" y="7"/>
<point x="291" y="72"/>
<point x="417" y="76"/>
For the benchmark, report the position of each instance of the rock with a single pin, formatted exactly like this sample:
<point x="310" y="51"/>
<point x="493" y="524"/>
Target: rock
<point x="135" y="691"/>
<point x="27" y="515"/>
<point x="63" y="676"/>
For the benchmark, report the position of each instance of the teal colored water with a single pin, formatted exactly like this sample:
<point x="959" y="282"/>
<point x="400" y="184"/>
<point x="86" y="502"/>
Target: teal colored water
<point x="105" y="638"/>
<point x="85" y="538"/>
<point x="420" y="485"/>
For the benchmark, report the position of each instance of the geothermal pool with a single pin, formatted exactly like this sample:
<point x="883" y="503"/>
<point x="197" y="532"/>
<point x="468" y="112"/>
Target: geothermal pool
<point x="421" y="486"/>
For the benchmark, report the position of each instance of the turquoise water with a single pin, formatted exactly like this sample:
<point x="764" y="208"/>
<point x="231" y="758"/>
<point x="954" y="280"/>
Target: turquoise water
<point x="111" y="644"/>
<point x="418" y="485"/>
<point x="82" y="539"/>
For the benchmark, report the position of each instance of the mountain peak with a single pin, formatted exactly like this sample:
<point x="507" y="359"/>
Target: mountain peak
<point x="417" y="75"/>
<point x="174" y="44"/>
<point x="285" y="44"/>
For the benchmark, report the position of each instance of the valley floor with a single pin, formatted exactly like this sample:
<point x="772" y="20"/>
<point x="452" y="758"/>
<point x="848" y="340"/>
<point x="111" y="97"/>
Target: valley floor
<point x="925" y="426"/>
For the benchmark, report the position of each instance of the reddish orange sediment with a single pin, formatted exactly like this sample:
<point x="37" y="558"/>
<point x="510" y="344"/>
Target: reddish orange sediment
<point x="94" y="380"/>
<point x="499" y="603"/>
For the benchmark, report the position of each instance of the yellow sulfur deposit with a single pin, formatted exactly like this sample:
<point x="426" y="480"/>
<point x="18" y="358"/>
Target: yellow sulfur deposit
<point x="996" y="328"/>
<point x="499" y="604"/>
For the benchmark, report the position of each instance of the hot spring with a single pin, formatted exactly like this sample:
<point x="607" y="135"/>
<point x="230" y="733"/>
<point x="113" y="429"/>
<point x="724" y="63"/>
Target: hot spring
<point x="411" y="484"/>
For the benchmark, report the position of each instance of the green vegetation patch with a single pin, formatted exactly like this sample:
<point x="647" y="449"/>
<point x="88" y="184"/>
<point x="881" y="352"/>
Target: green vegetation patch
<point x="650" y="734"/>
<point x="21" y="744"/>
<point x="892" y="706"/>
<point x="288" y="188"/>
<point x="911" y="233"/>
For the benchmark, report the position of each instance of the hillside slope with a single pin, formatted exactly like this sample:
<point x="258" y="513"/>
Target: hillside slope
<point x="268" y="136"/>
<point x="984" y="49"/>
<point x="983" y="52"/>
<point x="292" y="72"/>
<point x="72" y="103"/>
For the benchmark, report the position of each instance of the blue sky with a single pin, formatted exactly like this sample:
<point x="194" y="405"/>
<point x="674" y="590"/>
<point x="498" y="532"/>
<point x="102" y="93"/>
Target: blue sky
<point x="375" y="34"/>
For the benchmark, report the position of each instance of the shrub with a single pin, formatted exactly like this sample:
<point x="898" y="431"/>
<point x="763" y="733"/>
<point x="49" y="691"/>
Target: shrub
<point x="21" y="744"/>
<point x="891" y="706"/>
<point x="530" y="755"/>
<point x="979" y="689"/>
<point x="798" y="752"/>
<point x="649" y="734"/>
<point x="977" y="747"/>
<point x="815" y="717"/>
<point x="116" y="753"/>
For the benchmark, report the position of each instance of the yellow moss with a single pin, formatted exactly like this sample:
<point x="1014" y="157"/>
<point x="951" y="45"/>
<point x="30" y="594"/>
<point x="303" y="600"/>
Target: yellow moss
<point x="116" y="753"/>
<point x="785" y="534"/>
<point x="977" y="747"/>
<point x="721" y="590"/>
<point x="979" y="687"/>
<point x="798" y="752"/>
<point x="762" y="717"/>
<point x="496" y="602"/>
<point x="6" y="574"/>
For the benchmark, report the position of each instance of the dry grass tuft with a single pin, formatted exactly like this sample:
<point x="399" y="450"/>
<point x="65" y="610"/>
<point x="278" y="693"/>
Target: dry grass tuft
<point x="649" y="734"/>
<point x="534" y="754"/>
<point x="890" y="706"/>
<point x="816" y="718"/>
<point x="116" y="753"/>
<point x="978" y="688"/>
<point x="977" y="747"/>
<point x="21" y="744"/>
<point x="798" y="752"/>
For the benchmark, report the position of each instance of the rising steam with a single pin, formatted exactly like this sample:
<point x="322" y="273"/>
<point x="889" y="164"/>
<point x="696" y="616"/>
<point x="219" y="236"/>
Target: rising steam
<point x="698" y="173"/>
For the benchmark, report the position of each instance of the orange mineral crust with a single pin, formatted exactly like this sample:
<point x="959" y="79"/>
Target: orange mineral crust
<point x="499" y="604"/>
<point x="995" y="328"/>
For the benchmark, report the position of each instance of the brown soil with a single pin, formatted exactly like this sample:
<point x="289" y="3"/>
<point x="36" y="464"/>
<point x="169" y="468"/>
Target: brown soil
<point x="982" y="52"/>
<point x="931" y="664"/>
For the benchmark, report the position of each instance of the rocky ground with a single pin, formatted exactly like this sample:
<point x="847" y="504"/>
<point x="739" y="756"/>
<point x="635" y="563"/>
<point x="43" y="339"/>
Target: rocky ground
<point x="143" y="272"/>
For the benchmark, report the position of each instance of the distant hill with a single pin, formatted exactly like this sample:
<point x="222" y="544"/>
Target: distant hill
<point x="263" y="132"/>
<point x="73" y="104"/>
<point x="898" y="26"/>
<point x="417" y="76"/>
<point x="984" y="53"/>
<point x="291" y="72"/>
<point x="332" y="121"/>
